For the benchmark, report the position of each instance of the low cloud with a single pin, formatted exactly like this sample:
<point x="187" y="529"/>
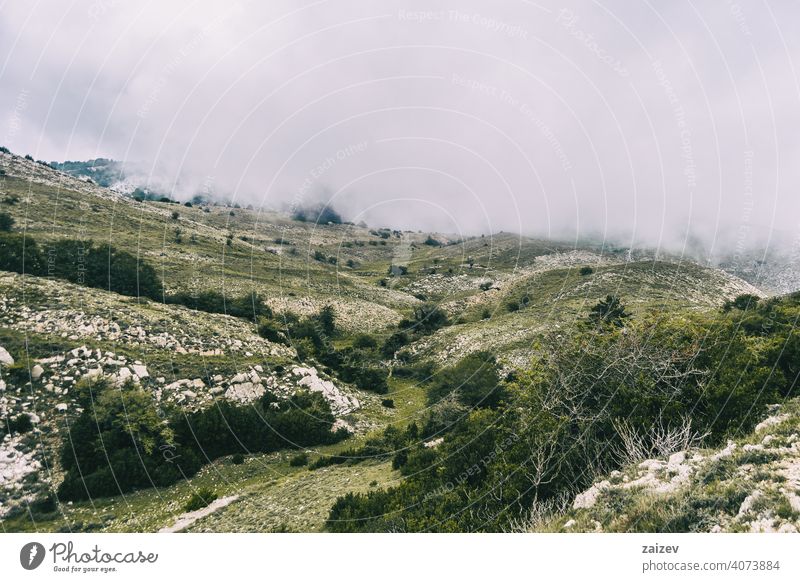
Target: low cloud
<point x="661" y="125"/>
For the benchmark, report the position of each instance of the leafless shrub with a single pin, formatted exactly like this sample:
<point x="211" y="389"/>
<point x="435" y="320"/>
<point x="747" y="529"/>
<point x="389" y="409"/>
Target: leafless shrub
<point x="658" y="440"/>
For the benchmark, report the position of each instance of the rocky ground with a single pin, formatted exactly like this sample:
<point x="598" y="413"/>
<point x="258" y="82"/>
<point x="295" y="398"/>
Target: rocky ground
<point x="750" y="485"/>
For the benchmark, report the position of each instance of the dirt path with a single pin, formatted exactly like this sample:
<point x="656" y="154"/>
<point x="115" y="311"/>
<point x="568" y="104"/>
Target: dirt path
<point x="187" y="519"/>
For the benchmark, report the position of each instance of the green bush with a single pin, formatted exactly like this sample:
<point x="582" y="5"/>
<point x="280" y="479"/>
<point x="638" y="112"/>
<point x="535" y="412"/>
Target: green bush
<point x="426" y="319"/>
<point x="270" y="330"/>
<point x="6" y="222"/>
<point x="124" y="444"/>
<point x="102" y="266"/>
<point x="249" y="306"/>
<point x="299" y="460"/>
<point x="474" y="381"/>
<point x="20" y="254"/>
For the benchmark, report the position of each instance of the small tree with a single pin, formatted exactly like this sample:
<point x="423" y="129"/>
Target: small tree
<point x="609" y="311"/>
<point x="327" y="320"/>
<point x="586" y="271"/>
<point x="175" y="215"/>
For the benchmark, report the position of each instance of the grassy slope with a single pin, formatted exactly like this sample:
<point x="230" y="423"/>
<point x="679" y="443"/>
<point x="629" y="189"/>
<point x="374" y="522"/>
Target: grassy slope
<point x="276" y="496"/>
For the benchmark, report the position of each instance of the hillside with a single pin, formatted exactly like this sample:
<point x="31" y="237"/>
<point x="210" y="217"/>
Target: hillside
<point x="501" y="294"/>
<point x="749" y="485"/>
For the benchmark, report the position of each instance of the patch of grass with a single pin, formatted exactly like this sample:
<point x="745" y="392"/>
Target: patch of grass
<point x="200" y="499"/>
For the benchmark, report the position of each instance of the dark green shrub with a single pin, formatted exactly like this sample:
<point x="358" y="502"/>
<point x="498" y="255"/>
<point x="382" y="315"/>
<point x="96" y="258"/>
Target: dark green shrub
<point x="104" y="267"/>
<point x="387" y="403"/>
<point x="6" y="222"/>
<point x="393" y="343"/>
<point x="474" y="381"/>
<point x="299" y="460"/>
<point x="586" y="271"/>
<point x="742" y="302"/>
<point x="270" y="330"/>
<point x="609" y="311"/>
<point x="20" y="424"/>
<point x="237" y="459"/>
<point x="20" y="254"/>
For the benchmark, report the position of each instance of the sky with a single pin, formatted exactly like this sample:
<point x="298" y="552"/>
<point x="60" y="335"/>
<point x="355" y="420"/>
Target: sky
<point x="646" y="123"/>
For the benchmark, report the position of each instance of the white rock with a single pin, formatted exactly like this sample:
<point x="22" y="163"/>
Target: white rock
<point x="140" y="370"/>
<point x="244" y="392"/>
<point x="589" y="497"/>
<point x="5" y="357"/>
<point x="61" y="407"/>
<point x="771" y="421"/>
<point x="36" y="372"/>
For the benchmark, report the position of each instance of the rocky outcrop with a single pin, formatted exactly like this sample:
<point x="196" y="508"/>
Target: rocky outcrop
<point x="751" y="484"/>
<point x="340" y="402"/>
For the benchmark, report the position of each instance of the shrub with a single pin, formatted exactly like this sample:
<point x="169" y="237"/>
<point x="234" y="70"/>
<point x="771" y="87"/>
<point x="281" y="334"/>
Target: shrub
<point x="432" y="242"/>
<point x="6" y="222"/>
<point x="393" y="343"/>
<point x="474" y="381"/>
<point x="586" y="271"/>
<point x="320" y="214"/>
<point x="20" y="254"/>
<point x="742" y="302"/>
<point x="249" y="306"/>
<point x="237" y="459"/>
<point x="20" y="424"/>
<point x="609" y="311"/>
<point x="200" y="499"/>
<point x="125" y="444"/>
<point x="271" y="330"/>
<point x="326" y="318"/>
<point x="104" y="267"/>
<point x="299" y="460"/>
<point x="175" y="215"/>
<point x="387" y="403"/>
<point x="486" y="285"/>
<point x="426" y="319"/>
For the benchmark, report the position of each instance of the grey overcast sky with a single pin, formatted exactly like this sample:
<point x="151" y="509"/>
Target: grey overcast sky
<point x="649" y="122"/>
